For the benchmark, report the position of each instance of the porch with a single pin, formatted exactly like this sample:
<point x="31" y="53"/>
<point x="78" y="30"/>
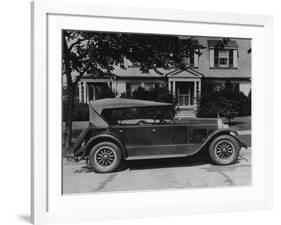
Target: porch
<point x="90" y="89"/>
<point x="186" y="87"/>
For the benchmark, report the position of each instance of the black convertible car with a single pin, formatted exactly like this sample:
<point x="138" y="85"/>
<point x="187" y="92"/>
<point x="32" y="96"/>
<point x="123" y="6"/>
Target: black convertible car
<point x="127" y="129"/>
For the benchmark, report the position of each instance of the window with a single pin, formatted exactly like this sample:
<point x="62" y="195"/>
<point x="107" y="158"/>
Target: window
<point x="223" y="58"/>
<point x="237" y="87"/>
<point x="138" y="116"/>
<point x="192" y="60"/>
<point x="223" y="53"/>
<point x="135" y="86"/>
<point x="148" y="85"/>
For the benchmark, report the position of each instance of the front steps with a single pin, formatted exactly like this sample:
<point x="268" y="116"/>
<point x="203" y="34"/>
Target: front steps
<point x="185" y="113"/>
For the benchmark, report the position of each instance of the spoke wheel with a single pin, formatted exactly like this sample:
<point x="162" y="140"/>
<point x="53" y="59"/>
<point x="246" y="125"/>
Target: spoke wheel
<point x="224" y="150"/>
<point x="105" y="156"/>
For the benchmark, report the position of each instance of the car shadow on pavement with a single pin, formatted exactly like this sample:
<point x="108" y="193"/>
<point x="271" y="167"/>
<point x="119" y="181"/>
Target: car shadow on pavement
<point x="144" y="164"/>
<point x="165" y="163"/>
<point x="195" y="160"/>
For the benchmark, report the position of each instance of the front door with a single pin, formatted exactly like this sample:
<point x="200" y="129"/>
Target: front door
<point x="185" y="94"/>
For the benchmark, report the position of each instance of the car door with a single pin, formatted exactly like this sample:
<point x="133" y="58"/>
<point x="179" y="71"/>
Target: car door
<point x="186" y="139"/>
<point x="134" y="135"/>
<point x="141" y="141"/>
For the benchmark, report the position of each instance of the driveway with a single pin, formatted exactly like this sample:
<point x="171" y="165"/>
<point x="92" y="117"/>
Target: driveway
<point x="192" y="172"/>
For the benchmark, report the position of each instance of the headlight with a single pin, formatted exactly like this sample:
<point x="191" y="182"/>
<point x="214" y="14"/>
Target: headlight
<point x="233" y="133"/>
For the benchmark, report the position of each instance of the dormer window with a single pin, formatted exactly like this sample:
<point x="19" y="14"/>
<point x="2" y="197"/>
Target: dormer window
<point x="191" y="61"/>
<point x="223" y="56"/>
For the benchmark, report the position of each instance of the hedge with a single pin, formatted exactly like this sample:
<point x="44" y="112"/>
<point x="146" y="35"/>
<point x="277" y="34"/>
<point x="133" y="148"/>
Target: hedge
<point x="79" y="113"/>
<point x="225" y="101"/>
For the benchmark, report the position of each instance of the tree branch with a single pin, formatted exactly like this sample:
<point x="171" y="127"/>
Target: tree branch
<point x="75" y="43"/>
<point x="81" y="73"/>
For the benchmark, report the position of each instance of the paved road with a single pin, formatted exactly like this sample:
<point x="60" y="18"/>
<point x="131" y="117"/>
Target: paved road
<point x="189" y="172"/>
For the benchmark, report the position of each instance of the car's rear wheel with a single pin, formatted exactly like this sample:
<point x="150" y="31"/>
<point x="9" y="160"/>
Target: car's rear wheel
<point x="105" y="157"/>
<point x="224" y="150"/>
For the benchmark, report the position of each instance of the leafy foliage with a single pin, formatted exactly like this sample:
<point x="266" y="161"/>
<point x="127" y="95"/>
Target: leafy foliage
<point x="80" y="111"/>
<point x="158" y="94"/>
<point x="223" y="100"/>
<point x="97" y="53"/>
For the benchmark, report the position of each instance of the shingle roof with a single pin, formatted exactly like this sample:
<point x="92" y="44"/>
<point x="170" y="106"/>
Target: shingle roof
<point x="243" y="71"/>
<point x="189" y="73"/>
<point x="228" y="44"/>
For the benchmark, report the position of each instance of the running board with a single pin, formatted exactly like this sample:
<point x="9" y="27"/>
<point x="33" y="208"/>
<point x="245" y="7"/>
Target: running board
<point x="155" y="156"/>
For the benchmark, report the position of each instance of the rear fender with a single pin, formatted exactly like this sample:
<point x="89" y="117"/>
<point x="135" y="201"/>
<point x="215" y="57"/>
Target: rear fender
<point x="219" y="132"/>
<point x="105" y="137"/>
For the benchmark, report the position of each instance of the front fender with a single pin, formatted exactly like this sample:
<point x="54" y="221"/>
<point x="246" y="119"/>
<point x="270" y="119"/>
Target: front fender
<point x="219" y="132"/>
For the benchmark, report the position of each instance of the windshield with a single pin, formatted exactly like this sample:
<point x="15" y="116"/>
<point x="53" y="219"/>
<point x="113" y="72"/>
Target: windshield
<point x="139" y="116"/>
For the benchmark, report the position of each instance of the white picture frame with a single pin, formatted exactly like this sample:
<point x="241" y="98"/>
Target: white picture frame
<point x="48" y="205"/>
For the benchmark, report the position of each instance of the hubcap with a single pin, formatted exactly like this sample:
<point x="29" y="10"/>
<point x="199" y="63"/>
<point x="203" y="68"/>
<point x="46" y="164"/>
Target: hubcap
<point x="224" y="149"/>
<point x="105" y="156"/>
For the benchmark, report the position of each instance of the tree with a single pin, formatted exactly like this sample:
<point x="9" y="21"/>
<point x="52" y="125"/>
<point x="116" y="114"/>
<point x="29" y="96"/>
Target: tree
<point x="97" y="53"/>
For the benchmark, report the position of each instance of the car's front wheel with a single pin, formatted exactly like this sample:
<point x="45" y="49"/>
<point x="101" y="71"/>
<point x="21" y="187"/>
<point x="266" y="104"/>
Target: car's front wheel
<point x="224" y="150"/>
<point x="105" y="157"/>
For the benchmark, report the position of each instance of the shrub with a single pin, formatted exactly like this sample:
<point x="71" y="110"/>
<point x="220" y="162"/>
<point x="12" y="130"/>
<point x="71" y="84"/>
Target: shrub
<point x="107" y="93"/>
<point x="223" y="100"/>
<point x="158" y="94"/>
<point x="79" y="113"/>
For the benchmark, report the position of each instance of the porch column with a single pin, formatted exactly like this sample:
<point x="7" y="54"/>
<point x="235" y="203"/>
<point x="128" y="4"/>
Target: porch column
<point x="195" y="93"/>
<point x="174" y="88"/>
<point x="199" y="88"/>
<point x="94" y="92"/>
<point x="169" y="85"/>
<point x="85" y="92"/>
<point x="80" y="91"/>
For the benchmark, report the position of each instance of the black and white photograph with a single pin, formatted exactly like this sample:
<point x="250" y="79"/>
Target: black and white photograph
<point x="154" y="112"/>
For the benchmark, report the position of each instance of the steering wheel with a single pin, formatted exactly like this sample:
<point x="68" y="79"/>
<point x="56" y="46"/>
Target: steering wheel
<point x="141" y="122"/>
<point x="163" y="121"/>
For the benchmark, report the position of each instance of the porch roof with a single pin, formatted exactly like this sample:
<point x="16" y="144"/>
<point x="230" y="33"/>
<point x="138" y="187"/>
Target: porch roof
<point x="189" y="73"/>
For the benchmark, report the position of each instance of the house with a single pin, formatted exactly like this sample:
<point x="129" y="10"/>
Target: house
<point x="230" y="63"/>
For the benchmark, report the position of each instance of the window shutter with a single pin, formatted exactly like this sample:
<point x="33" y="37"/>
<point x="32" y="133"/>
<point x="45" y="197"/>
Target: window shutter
<point x="196" y="58"/>
<point x="191" y="62"/>
<point x="216" y="58"/>
<point x="235" y="55"/>
<point x="231" y="58"/>
<point x="211" y="57"/>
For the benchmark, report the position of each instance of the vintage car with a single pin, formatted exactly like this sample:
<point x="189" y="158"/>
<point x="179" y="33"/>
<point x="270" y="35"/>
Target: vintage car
<point x="128" y="129"/>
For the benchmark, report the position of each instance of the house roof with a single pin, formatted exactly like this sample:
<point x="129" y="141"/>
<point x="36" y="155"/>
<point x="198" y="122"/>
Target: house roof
<point x="189" y="73"/>
<point x="228" y="44"/>
<point x="243" y="71"/>
<point x="134" y="72"/>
